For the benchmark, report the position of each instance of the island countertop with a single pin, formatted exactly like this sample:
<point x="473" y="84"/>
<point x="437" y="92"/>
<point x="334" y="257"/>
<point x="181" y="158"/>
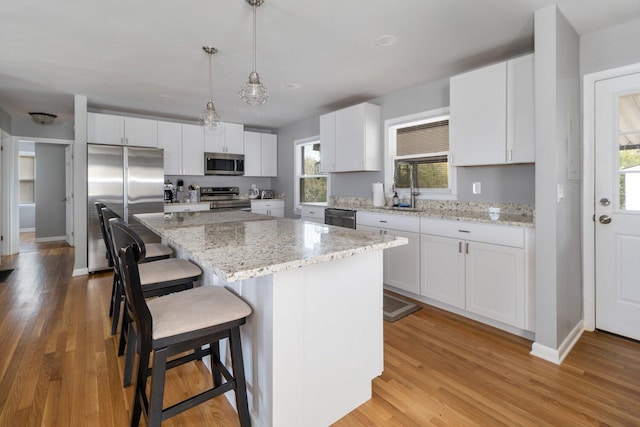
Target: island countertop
<point x="238" y="245"/>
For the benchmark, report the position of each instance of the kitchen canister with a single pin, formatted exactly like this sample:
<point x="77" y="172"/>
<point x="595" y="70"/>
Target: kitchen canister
<point x="378" y="195"/>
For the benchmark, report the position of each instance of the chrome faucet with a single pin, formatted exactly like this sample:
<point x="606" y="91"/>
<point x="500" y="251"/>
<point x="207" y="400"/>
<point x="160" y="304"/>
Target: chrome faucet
<point x="412" y="188"/>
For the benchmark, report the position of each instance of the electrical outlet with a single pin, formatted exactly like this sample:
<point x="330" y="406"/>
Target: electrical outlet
<point x="477" y="188"/>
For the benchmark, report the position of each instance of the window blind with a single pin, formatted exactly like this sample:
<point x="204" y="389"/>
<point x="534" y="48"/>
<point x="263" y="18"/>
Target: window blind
<point x="423" y="139"/>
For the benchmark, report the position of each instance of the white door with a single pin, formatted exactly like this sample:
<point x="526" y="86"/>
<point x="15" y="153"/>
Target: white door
<point x="617" y="200"/>
<point x="68" y="192"/>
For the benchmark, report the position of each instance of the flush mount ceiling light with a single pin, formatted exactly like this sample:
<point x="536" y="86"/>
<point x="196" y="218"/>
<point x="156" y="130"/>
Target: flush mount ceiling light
<point x="386" y="40"/>
<point x="253" y="92"/>
<point x="210" y="117"/>
<point x="43" y="118"/>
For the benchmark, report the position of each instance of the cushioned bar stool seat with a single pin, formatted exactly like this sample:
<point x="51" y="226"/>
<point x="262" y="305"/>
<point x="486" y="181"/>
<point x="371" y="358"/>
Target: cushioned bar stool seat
<point x="172" y="324"/>
<point x="157" y="278"/>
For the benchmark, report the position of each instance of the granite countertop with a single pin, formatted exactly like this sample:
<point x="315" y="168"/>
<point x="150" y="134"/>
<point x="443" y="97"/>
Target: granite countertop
<point x="454" y="215"/>
<point x="238" y="245"/>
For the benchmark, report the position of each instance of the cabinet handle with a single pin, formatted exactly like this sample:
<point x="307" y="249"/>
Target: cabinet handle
<point x="383" y="221"/>
<point x="459" y="247"/>
<point x="466" y="245"/>
<point x="464" y="231"/>
<point x="510" y="155"/>
<point x="121" y="140"/>
<point x="126" y="141"/>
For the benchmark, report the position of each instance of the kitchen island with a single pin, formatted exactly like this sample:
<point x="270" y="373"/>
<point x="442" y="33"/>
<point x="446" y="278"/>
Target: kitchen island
<point x="314" y="341"/>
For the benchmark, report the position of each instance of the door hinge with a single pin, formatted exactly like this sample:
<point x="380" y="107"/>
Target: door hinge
<point x="594" y="218"/>
<point x="1" y="238"/>
<point x="72" y="233"/>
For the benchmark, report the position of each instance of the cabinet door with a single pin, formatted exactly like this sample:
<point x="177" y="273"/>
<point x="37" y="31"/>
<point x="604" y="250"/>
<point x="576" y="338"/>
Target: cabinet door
<point x="328" y="142"/>
<point x="402" y="263"/>
<point x="520" y="110"/>
<point x="350" y="136"/>
<point x="214" y="140"/>
<point x="478" y="116"/>
<point x="140" y="132"/>
<point x="234" y="138"/>
<point x="170" y="139"/>
<point x="192" y="150"/>
<point x="495" y="282"/>
<point x="269" y="158"/>
<point x="252" y="154"/>
<point x="105" y="129"/>
<point x="443" y="272"/>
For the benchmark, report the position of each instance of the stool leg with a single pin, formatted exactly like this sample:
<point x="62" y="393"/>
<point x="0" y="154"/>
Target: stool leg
<point x="238" y="372"/>
<point x="157" y="387"/>
<point x="113" y="291"/>
<point x="214" y="351"/>
<point x="129" y="359"/>
<point x="124" y="331"/>
<point x="117" y="302"/>
<point x="140" y="392"/>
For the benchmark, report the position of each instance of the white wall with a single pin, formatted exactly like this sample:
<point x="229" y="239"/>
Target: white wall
<point x="558" y="268"/>
<point x="610" y="48"/>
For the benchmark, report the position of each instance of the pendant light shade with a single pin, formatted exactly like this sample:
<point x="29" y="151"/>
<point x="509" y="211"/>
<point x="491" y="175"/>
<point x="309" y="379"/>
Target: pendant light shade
<point x="210" y="117"/>
<point x="253" y="92"/>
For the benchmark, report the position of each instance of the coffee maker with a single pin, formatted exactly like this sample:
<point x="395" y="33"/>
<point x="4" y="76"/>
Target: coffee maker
<point x="169" y="193"/>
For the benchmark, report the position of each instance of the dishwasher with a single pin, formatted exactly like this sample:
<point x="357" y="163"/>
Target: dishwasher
<point x="340" y="217"/>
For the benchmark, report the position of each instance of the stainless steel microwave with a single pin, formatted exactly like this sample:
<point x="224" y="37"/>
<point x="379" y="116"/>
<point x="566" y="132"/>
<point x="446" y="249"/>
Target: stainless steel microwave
<point x="223" y="164"/>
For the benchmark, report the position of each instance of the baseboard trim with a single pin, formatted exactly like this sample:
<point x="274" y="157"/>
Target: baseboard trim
<point x="50" y="239"/>
<point x="80" y="272"/>
<point x="557" y="356"/>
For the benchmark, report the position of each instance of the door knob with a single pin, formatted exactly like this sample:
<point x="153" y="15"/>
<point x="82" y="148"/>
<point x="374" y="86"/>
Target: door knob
<point x="604" y="219"/>
<point x="605" y="202"/>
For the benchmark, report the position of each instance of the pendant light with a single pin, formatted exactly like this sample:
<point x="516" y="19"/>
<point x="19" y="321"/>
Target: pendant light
<point x="210" y="117"/>
<point x="253" y="92"/>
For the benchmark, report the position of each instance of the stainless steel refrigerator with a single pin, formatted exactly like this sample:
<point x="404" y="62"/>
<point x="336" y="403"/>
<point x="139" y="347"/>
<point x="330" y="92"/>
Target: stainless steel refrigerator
<point x="129" y="180"/>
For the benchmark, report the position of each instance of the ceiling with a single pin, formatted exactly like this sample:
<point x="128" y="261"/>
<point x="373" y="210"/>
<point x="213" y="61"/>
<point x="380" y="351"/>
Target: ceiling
<point x="145" y="56"/>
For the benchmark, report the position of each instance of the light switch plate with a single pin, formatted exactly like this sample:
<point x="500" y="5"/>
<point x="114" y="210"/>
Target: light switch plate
<point x="477" y="188"/>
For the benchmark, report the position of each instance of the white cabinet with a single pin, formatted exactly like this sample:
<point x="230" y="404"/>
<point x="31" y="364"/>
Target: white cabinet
<point x="183" y="148"/>
<point x="261" y="154"/>
<point x="402" y="263"/>
<point x="481" y="268"/>
<point x="312" y="213"/>
<point x="228" y="139"/>
<point x="273" y="207"/>
<point x="351" y="139"/>
<point x="186" y="207"/>
<point x="492" y="114"/>
<point x="119" y="130"/>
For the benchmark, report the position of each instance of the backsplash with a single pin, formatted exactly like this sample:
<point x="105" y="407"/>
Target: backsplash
<point x="444" y="205"/>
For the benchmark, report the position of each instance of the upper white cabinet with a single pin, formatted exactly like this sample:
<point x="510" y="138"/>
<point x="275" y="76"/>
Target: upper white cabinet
<point x="119" y="130"/>
<point x="183" y="148"/>
<point x="228" y="139"/>
<point x="260" y="154"/>
<point x="402" y="263"/>
<point x="351" y="139"/>
<point x="492" y="114"/>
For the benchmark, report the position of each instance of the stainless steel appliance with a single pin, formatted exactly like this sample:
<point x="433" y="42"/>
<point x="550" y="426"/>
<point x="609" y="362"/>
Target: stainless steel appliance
<point x="340" y="217"/>
<point x="223" y="164"/>
<point x="266" y="194"/>
<point x="129" y="180"/>
<point x="224" y="198"/>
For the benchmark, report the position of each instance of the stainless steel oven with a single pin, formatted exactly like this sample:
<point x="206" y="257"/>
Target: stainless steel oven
<point x="224" y="198"/>
<point x="223" y="164"/>
<point x="340" y="217"/>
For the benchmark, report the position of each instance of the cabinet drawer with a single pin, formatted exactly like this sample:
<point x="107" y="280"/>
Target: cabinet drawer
<point x="267" y="204"/>
<point x="389" y="221"/>
<point x="496" y="234"/>
<point x="316" y="212"/>
<point x="187" y="207"/>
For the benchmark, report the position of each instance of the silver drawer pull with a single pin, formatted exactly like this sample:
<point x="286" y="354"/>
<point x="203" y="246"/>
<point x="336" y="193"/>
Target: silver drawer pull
<point x="464" y="231"/>
<point x="383" y="221"/>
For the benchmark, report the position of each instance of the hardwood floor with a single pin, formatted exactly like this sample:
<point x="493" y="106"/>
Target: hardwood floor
<point x="59" y="367"/>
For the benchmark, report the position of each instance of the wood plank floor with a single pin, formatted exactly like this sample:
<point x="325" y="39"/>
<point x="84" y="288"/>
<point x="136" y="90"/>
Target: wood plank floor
<point x="58" y="366"/>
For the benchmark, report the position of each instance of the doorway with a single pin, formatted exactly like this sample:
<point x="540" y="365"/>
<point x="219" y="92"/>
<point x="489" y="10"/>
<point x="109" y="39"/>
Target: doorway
<point x="611" y="210"/>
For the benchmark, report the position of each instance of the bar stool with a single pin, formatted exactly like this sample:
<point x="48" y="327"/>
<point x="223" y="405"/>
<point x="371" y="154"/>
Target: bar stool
<point x="174" y="323"/>
<point x="157" y="278"/>
<point x="155" y="252"/>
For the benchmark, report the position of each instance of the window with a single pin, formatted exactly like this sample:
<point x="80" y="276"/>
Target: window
<point x="420" y="143"/>
<point x="27" y="178"/>
<point x="311" y="184"/>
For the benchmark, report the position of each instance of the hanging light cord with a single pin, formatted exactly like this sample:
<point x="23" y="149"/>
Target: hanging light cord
<point x="254" y="36"/>
<point x="210" y="81"/>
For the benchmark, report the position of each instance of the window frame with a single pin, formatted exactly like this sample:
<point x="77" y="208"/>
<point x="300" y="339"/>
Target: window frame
<point x="297" y="144"/>
<point x="390" y="128"/>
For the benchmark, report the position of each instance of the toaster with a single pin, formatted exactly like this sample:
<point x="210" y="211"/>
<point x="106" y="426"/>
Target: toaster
<point x="266" y="194"/>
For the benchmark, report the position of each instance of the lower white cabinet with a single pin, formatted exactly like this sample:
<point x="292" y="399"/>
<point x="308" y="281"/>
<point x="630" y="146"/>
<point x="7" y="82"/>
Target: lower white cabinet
<point x="312" y="213"/>
<point x="273" y="207"/>
<point x="186" y="207"/>
<point x="481" y="268"/>
<point x="402" y="263"/>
